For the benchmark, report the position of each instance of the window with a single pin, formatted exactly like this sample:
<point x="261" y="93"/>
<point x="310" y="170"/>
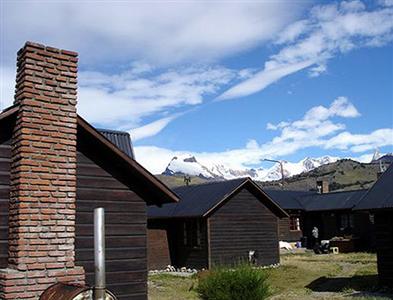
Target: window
<point x="294" y="223"/>
<point x="192" y="233"/>
<point x="346" y="221"/>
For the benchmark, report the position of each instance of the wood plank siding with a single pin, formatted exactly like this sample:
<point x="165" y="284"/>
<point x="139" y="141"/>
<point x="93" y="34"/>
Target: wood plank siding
<point x="183" y="255"/>
<point x="5" y="157"/>
<point x="287" y="235"/>
<point x="240" y="225"/>
<point x="384" y="240"/>
<point x="125" y="218"/>
<point x="158" y="256"/>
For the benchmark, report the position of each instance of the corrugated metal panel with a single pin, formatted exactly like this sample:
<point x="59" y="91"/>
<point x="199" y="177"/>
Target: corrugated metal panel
<point x="380" y="195"/>
<point x="121" y="139"/>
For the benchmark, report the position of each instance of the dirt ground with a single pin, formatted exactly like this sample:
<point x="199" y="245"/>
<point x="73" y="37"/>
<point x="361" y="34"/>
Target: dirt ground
<point x="300" y="276"/>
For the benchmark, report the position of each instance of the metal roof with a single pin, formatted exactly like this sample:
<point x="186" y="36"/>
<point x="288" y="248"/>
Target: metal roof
<point x="313" y="201"/>
<point x="121" y="139"/>
<point x="199" y="200"/>
<point x="288" y="199"/>
<point x="332" y="201"/>
<point x="195" y="200"/>
<point x="380" y="195"/>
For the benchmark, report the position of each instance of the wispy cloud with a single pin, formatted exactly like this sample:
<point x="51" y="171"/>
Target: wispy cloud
<point x="160" y="32"/>
<point x="328" y="31"/>
<point x="263" y="79"/>
<point x="150" y="129"/>
<point x="318" y="127"/>
<point x="123" y="100"/>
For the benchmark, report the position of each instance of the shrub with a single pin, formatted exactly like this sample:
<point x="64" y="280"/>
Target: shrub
<point x="240" y="283"/>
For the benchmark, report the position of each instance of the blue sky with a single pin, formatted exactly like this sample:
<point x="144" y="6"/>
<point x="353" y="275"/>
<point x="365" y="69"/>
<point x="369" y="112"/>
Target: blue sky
<point x="228" y="82"/>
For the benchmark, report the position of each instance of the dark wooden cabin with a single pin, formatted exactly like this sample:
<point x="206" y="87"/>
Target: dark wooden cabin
<point x="379" y="202"/>
<point x="109" y="177"/>
<point x="332" y="213"/>
<point x="218" y="224"/>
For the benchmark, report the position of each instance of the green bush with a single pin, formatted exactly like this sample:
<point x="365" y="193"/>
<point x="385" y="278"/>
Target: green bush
<point x="240" y="283"/>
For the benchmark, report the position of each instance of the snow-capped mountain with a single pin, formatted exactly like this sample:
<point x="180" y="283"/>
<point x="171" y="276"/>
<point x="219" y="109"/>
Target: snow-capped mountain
<point x="188" y="165"/>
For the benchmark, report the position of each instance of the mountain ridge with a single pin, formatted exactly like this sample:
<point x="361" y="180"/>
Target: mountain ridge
<point x="189" y="165"/>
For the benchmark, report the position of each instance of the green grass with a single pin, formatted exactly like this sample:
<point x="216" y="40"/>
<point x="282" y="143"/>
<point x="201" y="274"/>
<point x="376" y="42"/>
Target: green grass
<point x="169" y="287"/>
<point x="300" y="276"/>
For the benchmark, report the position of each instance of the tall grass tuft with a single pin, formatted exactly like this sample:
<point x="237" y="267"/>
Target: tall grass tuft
<point x="240" y="283"/>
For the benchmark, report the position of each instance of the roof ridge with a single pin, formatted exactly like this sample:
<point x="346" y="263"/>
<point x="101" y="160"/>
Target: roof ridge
<point x="337" y="192"/>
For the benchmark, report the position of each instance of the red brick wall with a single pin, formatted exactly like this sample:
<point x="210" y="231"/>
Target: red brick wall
<point x="43" y="174"/>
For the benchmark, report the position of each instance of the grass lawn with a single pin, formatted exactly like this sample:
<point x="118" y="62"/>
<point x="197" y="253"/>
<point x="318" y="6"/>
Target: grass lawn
<point x="300" y="276"/>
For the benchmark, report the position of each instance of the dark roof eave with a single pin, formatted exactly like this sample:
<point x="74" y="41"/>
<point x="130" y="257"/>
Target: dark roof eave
<point x="165" y="195"/>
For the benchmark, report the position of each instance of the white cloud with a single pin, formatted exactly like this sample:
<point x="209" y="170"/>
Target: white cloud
<point x="161" y="32"/>
<point x="361" y="142"/>
<point x="252" y="144"/>
<point x="123" y="100"/>
<point x="315" y="129"/>
<point x="262" y="79"/>
<point x="271" y="126"/>
<point x="7" y="86"/>
<point x="150" y="129"/>
<point x="317" y="70"/>
<point x="329" y="30"/>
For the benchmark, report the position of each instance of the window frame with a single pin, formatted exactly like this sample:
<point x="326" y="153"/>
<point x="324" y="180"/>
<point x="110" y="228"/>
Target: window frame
<point x="294" y="223"/>
<point x="192" y="233"/>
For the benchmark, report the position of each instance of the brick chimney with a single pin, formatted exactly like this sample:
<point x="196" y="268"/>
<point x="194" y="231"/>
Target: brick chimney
<point x="43" y="174"/>
<point x="323" y="186"/>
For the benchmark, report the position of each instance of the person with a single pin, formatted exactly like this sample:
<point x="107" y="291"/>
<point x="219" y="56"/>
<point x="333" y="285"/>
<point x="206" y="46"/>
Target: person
<point x="315" y="237"/>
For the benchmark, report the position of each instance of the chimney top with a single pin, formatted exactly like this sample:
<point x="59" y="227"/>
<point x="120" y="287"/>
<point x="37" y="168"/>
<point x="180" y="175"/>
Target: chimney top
<point x="323" y="186"/>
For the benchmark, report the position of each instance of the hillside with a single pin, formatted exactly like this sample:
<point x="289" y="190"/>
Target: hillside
<point x="342" y="175"/>
<point x="178" y="180"/>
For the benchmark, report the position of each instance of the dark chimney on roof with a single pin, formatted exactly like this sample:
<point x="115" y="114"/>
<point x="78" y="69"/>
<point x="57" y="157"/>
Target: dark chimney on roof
<point x="323" y="186"/>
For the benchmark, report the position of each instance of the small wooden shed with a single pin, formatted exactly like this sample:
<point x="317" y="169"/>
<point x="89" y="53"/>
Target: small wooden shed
<point x="379" y="202"/>
<point x="218" y="223"/>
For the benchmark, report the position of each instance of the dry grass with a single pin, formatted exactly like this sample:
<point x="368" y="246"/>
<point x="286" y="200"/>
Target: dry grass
<point x="300" y="276"/>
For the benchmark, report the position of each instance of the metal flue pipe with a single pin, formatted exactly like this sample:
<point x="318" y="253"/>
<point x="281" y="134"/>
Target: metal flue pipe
<point x="99" y="253"/>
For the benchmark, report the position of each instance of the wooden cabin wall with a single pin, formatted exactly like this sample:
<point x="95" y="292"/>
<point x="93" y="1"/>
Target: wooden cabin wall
<point x="158" y="254"/>
<point x="284" y="231"/>
<point x="365" y="230"/>
<point x="384" y="244"/>
<point x="185" y="256"/>
<point x="125" y="216"/>
<point x="5" y="163"/>
<point x="329" y="224"/>
<point x="242" y="224"/>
